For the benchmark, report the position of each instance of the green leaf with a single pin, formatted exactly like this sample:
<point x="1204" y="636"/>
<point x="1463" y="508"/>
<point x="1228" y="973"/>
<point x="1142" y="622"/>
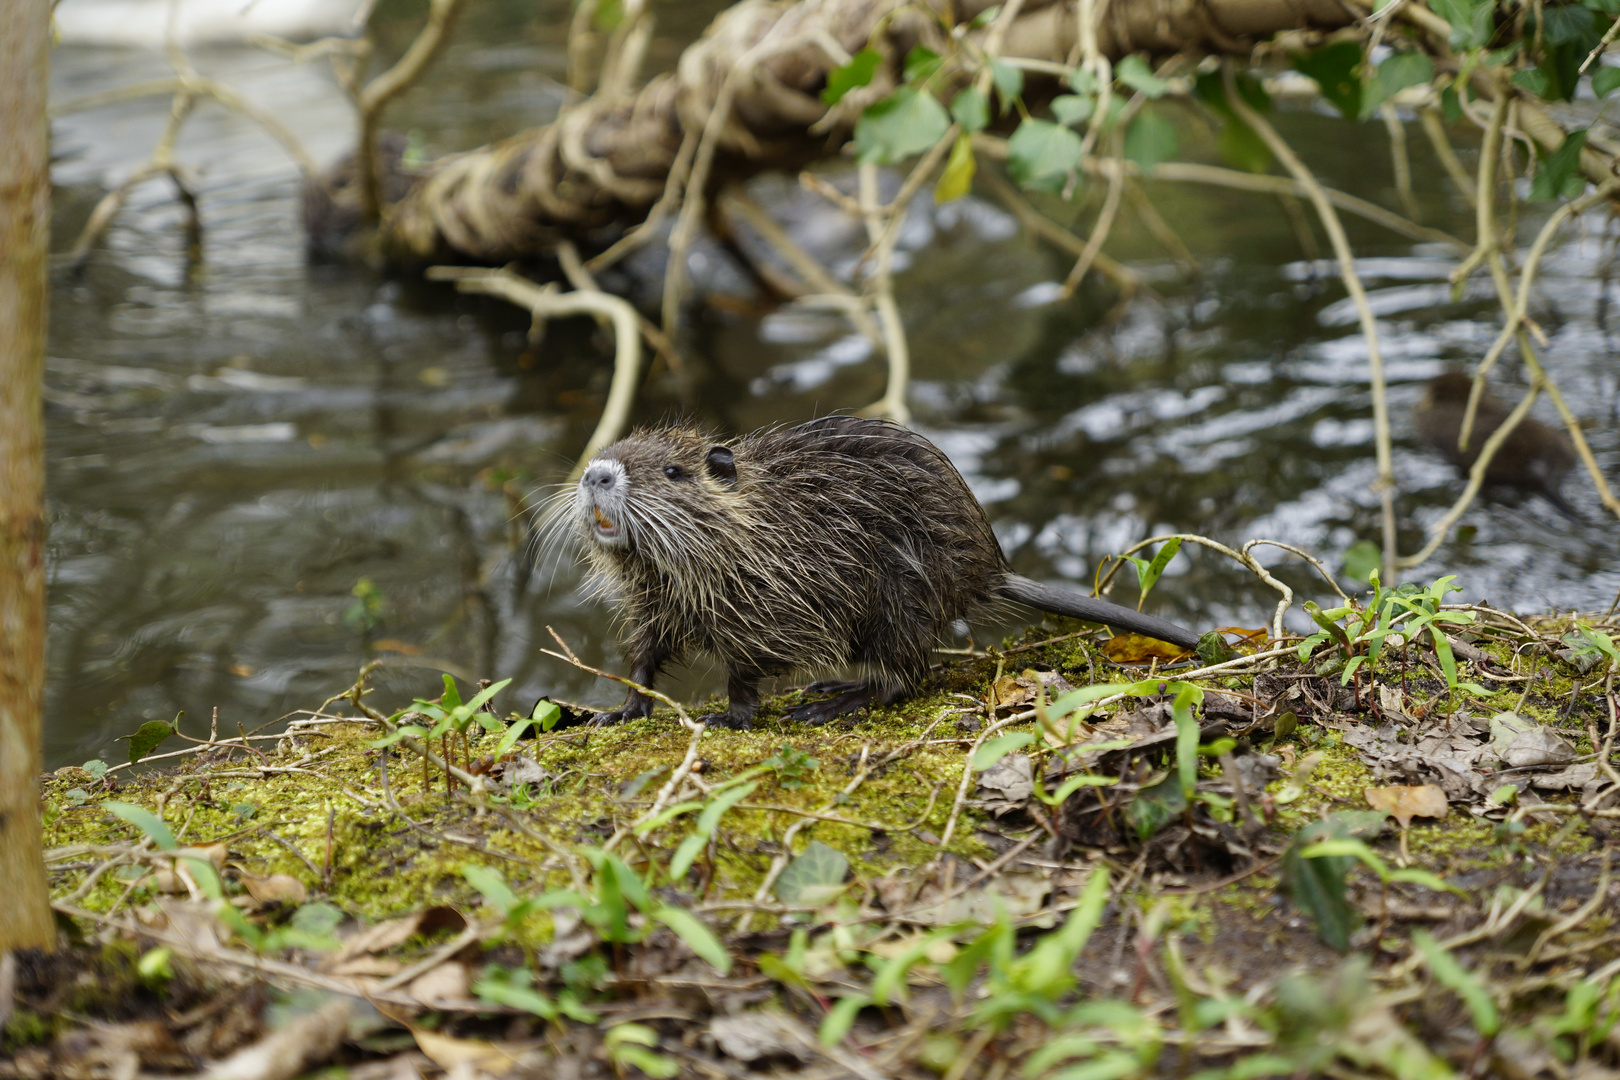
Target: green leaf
<point x="1534" y="80"/>
<point x="1009" y="82"/>
<point x="1135" y="73"/>
<point x="665" y="816"/>
<point x="1559" y="174"/>
<point x="1316" y="884"/>
<point x="905" y="123"/>
<point x="1040" y="152"/>
<point x="1604" y="80"/>
<point x="971" y="109"/>
<point x="1396" y="73"/>
<point x="404" y="731"/>
<point x="816" y="869"/>
<point x="1155" y="807"/>
<point x="1361" y="560"/>
<point x="957" y="179"/>
<point x="1337" y="71"/>
<point x="1565" y="25"/>
<point x="1187" y="738"/>
<point x="890" y="980"/>
<point x="686" y="855"/>
<point x="492" y="886"/>
<point x="710" y="818"/>
<point x="858" y="72"/>
<point x="1150" y="140"/>
<point x="840" y="1018"/>
<point x="995" y="749"/>
<point x="1048" y="968"/>
<point x="1472" y="21"/>
<point x="452" y="696"/>
<point x="606" y="15"/>
<point x="144" y="820"/>
<point x="95" y="767"/>
<point x="147" y="738"/>
<point x="1073" y="110"/>
<point x="1452" y="976"/>
<point x="698" y="937"/>
<point x="921" y="63"/>
<point x="1148" y="575"/>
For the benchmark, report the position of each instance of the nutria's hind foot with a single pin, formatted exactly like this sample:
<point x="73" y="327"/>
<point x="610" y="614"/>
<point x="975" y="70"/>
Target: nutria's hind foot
<point x="727" y="721"/>
<point x="608" y="719"/>
<point x="820" y="712"/>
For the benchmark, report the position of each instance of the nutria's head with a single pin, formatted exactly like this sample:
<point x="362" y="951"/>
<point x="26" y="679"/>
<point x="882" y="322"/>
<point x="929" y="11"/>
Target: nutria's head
<point x="654" y="492"/>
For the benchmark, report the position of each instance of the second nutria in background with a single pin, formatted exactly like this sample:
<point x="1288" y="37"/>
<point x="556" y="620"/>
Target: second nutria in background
<point x="1534" y="460"/>
<point x="843" y="542"/>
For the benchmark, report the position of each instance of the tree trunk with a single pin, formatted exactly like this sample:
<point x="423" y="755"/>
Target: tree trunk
<point x="25" y="192"/>
<point x="607" y="159"/>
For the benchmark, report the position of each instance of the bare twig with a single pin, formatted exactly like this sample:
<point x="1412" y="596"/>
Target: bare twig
<point x="1358" y="296"/>
<point x="544" y="304"/>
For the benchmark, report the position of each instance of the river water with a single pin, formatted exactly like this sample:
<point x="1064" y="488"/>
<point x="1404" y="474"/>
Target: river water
<point x="238" y="440"/>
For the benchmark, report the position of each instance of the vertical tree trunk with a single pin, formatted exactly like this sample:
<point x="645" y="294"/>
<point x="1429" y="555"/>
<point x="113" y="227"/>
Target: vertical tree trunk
<point x="25" y="191"/>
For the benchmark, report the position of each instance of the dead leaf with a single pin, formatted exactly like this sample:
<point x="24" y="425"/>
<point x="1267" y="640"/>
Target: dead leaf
<point x="447" y="982"/>
<point x="752" y="1036"/>
<point x="387" y="935"/>
<point x="1136" y="649"/>
<point x="1404" y="803"/>
<point x="1007" y="785"/>
<point x="939" y="952"/>
<point x="274" y="889"/>
<point x="448" y="1052"/>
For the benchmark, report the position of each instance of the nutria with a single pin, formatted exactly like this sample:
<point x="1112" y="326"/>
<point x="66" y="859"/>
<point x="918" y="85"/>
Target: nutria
<point x="843" y="542"/>
<point x="1534" y="458"/>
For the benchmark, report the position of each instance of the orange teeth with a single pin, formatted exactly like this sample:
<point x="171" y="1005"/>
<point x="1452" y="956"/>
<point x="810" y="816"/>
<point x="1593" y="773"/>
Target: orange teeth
<point x="600" y="520"/>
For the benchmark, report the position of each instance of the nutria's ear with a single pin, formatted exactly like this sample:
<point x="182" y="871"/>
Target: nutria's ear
<point x="722" y="465"/>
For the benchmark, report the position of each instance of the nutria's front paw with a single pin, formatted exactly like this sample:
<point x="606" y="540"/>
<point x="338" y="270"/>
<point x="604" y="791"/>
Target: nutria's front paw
<point x="727" y="721"/>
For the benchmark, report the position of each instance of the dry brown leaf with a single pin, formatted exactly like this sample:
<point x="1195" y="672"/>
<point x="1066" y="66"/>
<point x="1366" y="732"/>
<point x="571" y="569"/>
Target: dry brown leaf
<point x="1404" y="803"/>
<point x="387" y="935"/>
<point x="448" y="1052"/>
<point x="1136" y="649"/>
<point x="449" y="981"/>
<point x="274" y="889"/>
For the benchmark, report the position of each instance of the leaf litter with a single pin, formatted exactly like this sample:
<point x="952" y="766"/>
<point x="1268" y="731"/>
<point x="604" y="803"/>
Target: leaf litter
<point x="1365" y="859"/>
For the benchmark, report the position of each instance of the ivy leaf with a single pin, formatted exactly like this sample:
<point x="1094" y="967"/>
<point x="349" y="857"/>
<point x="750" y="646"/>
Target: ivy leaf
<point x="1337" y="71"/>
<point x="971" y="109"/>
<point x="957" y="179"/>
<point x="817" y="869"/>
<point x="1150" y="140"/>
<point x="1009" y="82"/>
<point x="1040" y="152"/>
<point x="858" y="72"/>
<point x="906" y="122"/>
<point x="1073" y="110"/>
<point x="1395" y="74"/>
<point x="148" y="737"/>
<point x="1565" y="25"/>
<point x="1135" y="73"/>
<point x="1239" y="144"/>
<point x="1605" y="79"/>
<point x="1559" y="174"/>
<point x="1532" y="79"/>
<point x="1472" y="21"/>
<point x="921" y="63"/>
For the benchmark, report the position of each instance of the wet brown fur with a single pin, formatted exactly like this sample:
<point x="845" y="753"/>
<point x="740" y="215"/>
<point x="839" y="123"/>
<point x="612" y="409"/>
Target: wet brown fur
<point x="843" y="542"/>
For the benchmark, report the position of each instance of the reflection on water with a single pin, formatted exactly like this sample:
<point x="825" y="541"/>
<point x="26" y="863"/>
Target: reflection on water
<point x="235" y="445"/>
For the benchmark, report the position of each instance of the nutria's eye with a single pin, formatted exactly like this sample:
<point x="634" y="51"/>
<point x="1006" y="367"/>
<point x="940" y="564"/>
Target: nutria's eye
<point x="674" y="472"/>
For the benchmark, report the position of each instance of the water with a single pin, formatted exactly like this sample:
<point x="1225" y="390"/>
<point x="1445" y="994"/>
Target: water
<point x="234" y="444"/>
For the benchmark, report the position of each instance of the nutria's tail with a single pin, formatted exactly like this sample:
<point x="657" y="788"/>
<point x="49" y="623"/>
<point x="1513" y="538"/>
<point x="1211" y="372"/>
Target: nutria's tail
<point x="1077" y="606"/>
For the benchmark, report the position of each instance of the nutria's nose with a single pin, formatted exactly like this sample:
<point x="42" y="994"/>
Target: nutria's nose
<point x="599" y="477"/>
